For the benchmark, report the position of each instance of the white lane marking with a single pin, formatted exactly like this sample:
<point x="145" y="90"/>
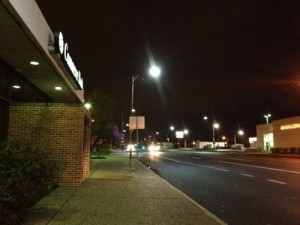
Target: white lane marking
<point x="194" y="164"/>
<point x="276" y="159"/>
<point x="276" y="181"/>
<point x="261" y="167"/>
<point x="196" y="158"/>
<point x="245" y="160"/>
<point x="246" y="175"/>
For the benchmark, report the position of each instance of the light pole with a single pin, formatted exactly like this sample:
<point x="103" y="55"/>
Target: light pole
<point x="215" y="126"/>
<point x="172" y="128"/>
<point x="154" y="71"/>
<point x="267" y="116"/>
<point x="241" y="133"/>
<point x="185" y="133"/>
<point x="157" y="136"/>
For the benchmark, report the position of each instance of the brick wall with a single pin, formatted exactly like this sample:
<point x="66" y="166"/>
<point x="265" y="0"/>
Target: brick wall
<point x="87" y="146"/>
<point x="59" y="128"/>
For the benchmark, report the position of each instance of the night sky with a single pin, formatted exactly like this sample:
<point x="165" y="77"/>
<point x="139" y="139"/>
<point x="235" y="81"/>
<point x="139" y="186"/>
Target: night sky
<point x="233" y="61"/>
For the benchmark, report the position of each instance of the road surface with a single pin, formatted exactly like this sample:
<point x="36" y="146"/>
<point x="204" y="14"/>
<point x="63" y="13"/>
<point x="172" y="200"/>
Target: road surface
<point x="241" y="189"/>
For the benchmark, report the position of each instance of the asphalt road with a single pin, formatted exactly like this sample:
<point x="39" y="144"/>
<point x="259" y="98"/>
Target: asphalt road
<point x="241" y="189"/>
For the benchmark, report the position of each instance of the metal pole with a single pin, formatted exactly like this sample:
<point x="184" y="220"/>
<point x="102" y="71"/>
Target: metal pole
<point x="137" y="137"/>
<point x="132" y="93"/>
<point x="213" y="136"/>
<point x="132" y="100"/>
<point x="131" y="130"/>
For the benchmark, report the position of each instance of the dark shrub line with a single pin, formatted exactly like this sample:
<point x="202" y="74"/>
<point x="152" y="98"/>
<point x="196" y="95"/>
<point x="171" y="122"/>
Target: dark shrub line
<point x="27" y="173"/>
<point x="292" y="150"/>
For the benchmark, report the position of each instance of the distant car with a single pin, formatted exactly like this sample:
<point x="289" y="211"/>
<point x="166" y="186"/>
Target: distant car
<point x="238" y="147"/>
<point x="154" y="148"/>
<point x="130" y="147"/>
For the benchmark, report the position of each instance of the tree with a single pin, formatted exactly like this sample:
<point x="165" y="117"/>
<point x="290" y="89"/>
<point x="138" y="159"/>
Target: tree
<point x="102" y="111"/>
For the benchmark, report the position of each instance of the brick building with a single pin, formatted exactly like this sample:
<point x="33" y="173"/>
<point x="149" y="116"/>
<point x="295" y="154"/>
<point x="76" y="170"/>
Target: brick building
<point x="41" y="90"/>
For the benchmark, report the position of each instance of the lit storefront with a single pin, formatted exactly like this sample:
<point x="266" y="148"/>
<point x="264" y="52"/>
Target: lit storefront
<point x="41" y="90"/>
<point x="284" y="133"/>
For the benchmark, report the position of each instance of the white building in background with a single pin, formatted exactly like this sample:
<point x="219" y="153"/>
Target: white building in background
<point x="283" y="133"/>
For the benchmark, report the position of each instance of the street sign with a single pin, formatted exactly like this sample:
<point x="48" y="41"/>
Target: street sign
<point x="136" y="122"/>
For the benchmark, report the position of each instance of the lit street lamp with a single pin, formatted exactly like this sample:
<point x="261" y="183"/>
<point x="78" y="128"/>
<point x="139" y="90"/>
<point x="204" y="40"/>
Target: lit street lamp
<point x="154" y="71"/>
<point x="185" y="133"/>
<point x="240" y="132"/>
<point x="215" y="126"/>
<point x="267" y="116"/>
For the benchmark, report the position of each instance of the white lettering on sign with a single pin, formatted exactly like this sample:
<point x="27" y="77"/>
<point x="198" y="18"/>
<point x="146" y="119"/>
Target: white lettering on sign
<point x="63" y="49"/>
<point x="290" y="126"/>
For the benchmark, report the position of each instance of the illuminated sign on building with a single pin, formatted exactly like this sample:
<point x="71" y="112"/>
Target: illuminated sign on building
<point x="62" y="49"/>
<point x="290" y="126"/>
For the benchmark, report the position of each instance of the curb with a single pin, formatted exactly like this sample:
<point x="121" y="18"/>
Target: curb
<point x="208" y="213"/>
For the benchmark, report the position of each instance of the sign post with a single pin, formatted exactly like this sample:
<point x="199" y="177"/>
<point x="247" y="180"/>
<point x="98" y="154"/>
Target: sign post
<point x="136" y="123"/>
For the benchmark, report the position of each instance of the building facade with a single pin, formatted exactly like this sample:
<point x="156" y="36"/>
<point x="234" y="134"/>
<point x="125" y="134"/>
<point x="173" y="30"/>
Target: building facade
<point x="41" y="90"/>
<point x="283" y="133"/>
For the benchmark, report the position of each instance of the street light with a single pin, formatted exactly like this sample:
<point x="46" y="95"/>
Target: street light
<point x="267" y="116"/>
<point x="154" y="71"/>
<point x="185" y="133"/>
<point x="215" y="126"/>
<point x="225" y="140"/>
<point x="240" y="132"/>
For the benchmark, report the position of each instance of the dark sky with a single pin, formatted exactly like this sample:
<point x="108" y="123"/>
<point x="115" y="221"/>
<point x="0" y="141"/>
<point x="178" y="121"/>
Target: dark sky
<point x="230" y="60"/>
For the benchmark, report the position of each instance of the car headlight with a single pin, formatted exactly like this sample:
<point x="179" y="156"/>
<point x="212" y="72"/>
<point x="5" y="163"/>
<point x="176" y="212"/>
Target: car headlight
<point x="154" y="148"/>
<point x="130" y="148"/>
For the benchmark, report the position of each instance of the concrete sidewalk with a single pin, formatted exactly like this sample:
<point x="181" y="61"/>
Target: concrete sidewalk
<point x="119" y="192"/>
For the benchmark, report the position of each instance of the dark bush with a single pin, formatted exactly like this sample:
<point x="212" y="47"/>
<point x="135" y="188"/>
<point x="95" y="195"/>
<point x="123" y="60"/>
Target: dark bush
<point x="26" y="175"/>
